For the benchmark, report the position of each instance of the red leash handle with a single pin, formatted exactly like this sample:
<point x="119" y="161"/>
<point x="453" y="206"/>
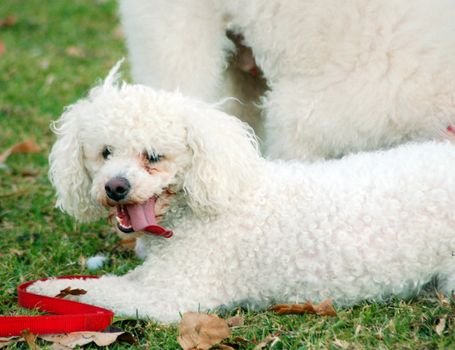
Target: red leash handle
<point x="70" y="316"/>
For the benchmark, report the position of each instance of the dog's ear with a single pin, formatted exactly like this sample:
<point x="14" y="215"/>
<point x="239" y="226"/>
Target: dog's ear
<point x="67" y="172"/>
<point x="224" y="159"/>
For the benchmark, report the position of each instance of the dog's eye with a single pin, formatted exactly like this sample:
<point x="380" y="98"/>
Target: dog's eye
<point x="153" y="157"/>
<point x="107" y="152"/>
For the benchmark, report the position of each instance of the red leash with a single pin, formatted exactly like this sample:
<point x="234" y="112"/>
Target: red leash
<point x="70" y="316"/>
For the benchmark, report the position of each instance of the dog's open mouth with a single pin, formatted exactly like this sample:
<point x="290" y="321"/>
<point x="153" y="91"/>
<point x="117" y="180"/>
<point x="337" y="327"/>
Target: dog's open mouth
<point x="140" y="217"/>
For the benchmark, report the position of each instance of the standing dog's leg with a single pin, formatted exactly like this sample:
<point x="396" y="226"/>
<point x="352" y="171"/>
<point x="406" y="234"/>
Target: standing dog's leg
<point x="172" y="44"/>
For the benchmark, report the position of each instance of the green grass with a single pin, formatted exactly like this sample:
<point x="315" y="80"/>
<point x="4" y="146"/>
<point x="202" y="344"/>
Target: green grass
<point x="38" y="77"/>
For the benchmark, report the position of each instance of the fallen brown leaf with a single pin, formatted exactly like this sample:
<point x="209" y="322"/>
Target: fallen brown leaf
<point x="357" y="330"/>
<point x="56" y="346"/>
<point x="14" y="194"/>
<point x="235" y="321"/>
<point x="266" y="341"/>
<point x="443" y="301"/>
<point x="127" y="338"/>
<point x="224" y="347"/>
<point x="74" y="51"/>
<point x="201" y="331"/>
<point x="82" y="261"/>
<point x="237" y="343"/>
<point x="16" y="252"/>
<point x="68" y="291"/>
<point x="29" y="172"/>
<point x="44" y="64"/>
<point x="30" y="339"/>
<point x="323" y="309"/>
<point x="71" y="340"/>
<point x="8" y="21"/>
<point x="28" y="146"/>
<point x="2" y="48"/>
<point x="10" y="340"/>
<point x="440" y="326"/>
<point x="343" y="344"/>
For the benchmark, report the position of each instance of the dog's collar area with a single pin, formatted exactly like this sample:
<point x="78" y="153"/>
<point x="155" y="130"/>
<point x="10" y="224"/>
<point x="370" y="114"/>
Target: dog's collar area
<point x="140" y="217"/>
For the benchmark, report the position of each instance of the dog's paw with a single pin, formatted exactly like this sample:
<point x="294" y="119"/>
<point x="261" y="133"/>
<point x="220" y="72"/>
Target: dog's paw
<point x="57" y="287"/>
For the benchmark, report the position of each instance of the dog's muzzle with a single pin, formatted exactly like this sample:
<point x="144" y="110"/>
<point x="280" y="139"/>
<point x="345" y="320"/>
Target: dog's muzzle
<point x="140" y="217"/>
<point x="117" y="188"/>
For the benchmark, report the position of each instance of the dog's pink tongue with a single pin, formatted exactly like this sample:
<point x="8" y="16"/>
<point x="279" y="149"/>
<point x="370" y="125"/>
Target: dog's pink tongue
<point x="142" y="217"/>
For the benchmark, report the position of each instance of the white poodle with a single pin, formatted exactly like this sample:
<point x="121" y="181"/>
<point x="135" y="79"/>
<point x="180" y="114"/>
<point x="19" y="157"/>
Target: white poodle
<point x="337" y="76"/>
<point x="244" y="230"/>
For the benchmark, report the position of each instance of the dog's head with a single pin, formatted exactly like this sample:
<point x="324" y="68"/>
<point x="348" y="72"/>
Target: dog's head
<point x="129" y="147"/>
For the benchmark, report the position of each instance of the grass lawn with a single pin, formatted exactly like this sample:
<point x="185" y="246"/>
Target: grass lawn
<point x="52" y="55"/>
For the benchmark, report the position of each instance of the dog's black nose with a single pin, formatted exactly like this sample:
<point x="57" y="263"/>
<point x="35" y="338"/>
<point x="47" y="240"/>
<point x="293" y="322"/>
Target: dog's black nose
<point x="117" y="188"/>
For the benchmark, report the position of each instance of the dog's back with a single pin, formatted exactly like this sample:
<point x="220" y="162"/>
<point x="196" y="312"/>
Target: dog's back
<point x="366" y="226"/>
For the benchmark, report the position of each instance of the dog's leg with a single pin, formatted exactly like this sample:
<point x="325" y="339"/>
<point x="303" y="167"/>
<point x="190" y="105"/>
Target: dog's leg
<point x="289" y="129"/>
<point x="138" y="293"/>
<point x="112" y="292"/>
<point x="176" y="45"/>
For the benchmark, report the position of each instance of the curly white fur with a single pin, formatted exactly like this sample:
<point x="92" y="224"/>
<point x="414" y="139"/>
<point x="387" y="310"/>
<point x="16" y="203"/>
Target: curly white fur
<point x="343" y="76"/>
<point x="248" y="231"/>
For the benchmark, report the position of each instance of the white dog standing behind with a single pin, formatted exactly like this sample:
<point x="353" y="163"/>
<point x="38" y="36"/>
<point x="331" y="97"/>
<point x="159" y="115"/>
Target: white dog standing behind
<point x="247" y="231"/>
<point x="343" y="76"/>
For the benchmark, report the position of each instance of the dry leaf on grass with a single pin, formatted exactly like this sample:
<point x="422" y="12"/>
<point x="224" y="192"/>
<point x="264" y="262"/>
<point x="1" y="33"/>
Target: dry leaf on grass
<point x="71" y="340"/>
<point x="68" y="291"/>
<point x="323" y="309"/>
<point x="13" y="194"/>
<point x="8" y="21"/>
<point x="30" y="339"/>
<point x="29" y="172"/>
<point x="443" y="301"/>
<point x="235" y="321"/>
<point x="74" y="51"/>
<point x="440" y="325"/>
<point x="10" y="340"/>
<point x="201" y="331"/>
<point x="224" y="347"/>
<point x="342" y="344"/>
<point x="237" y="343"/>
<point x="266" y="341"/>
<point x="28" y="146"/>
<point x="16" y="252"/>
<point x="127" y="337"/>
<point x="82" y="261"/>
<point x="2" y="48"/>
<point x="357" y="330"/>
